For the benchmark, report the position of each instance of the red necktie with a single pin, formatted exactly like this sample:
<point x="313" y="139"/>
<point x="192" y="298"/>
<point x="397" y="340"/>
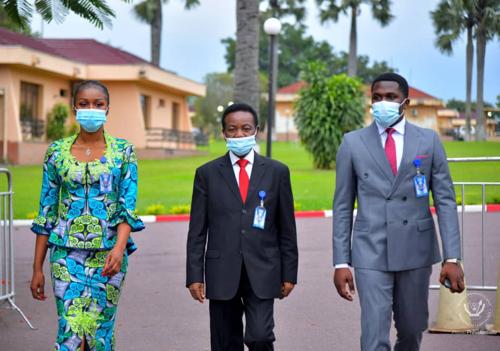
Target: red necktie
<point x="244" y="180"/>
<point x="390" y="150"/>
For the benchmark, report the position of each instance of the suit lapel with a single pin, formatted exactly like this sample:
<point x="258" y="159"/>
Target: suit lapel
<point x="411" y="143"/>
<point x="226" y="169"/>
<point x="258" y="170"/>
<point x="371" y="139"/>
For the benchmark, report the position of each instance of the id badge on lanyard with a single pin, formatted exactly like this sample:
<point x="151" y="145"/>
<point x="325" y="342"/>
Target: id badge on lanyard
<point x="259" y="218"/>
<point x="419" y="181"/>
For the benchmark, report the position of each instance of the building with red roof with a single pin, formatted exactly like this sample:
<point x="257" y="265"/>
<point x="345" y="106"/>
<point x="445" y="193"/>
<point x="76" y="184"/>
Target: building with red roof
<point x="148" y="104"/>
<point x="423" y="111"/>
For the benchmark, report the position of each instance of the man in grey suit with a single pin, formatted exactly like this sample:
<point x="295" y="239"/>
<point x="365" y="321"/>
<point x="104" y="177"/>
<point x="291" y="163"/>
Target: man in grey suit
<point x="390" y="167"/>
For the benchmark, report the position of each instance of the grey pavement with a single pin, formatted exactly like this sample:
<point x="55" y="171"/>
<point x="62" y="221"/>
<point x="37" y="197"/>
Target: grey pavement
<point x="156" y="311"/>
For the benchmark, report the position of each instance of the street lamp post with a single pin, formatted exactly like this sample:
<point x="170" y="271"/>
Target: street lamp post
<point x="272" y="27"/>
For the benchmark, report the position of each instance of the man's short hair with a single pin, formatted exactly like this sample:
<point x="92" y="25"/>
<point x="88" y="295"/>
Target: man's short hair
<point x="236" y="107"/>
<point x="393" y="77"/>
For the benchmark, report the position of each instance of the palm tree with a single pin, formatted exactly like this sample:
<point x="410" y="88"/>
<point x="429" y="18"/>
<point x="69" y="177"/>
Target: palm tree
<point x="331" y="9"/>
<point x="150" y="12"/>
<point x="451" y="18"/>
<point x="487" y="16"/>
<point x="246" y="62"/>
<point x="20" y="12"/>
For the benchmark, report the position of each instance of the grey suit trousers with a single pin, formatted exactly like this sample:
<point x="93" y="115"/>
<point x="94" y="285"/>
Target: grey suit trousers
<point x="382" y="293"/>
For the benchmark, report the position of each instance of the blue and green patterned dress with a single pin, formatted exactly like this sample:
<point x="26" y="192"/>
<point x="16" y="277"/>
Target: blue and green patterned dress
<point x="81" y="206"/>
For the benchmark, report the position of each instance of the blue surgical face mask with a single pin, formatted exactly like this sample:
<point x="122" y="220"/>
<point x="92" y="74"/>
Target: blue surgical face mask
<point x="241" y="146"/>
<point x="386" y="113"/>
<point x="91" y="119"/>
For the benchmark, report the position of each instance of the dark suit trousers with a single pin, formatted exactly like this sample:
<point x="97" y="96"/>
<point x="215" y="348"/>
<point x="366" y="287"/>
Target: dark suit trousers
<point x="226" y="320"/>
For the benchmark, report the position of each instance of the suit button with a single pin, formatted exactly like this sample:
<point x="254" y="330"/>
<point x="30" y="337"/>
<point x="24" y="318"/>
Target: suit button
<point x="404" y="198"/>
<point x="244" y="211"/>
<point x="405" y="222"/>
<point x="243" y="231"/>
<point x="388" y="198"/>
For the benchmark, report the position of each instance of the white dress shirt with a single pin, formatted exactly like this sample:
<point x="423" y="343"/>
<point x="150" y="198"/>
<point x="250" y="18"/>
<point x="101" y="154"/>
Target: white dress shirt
<point x="399" y="139"/>
<point x="236" y="167"/>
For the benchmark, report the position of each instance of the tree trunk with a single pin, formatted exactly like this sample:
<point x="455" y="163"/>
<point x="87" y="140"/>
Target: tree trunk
<point x="352" y="67"/>
<point x="481" y="53"/>
<point x="156" y="27"/>
<point x="246" y="66"/>
<point x="468" y="82"/>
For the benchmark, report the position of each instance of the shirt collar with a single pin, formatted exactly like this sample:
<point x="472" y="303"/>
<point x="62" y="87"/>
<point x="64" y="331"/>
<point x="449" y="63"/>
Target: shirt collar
<point x="250" y="157"/>
<point x="399" y="127"/>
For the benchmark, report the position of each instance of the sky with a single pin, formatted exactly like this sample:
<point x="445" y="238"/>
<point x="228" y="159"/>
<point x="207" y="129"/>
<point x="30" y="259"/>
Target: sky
<point x="191" y="42"/>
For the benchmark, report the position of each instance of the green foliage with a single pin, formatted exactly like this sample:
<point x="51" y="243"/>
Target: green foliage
<point x="459" y="105"/>
<point x="31" y="215"/>
<point x="20" y="12"/>
<point x="7" y="22"/>
<point x="326" y="109"/>
<point x="297" y="49"/>
<point x="180" y="209"/>
<point x="219" y="93"/>
<point x="56" y="119"/>
<point x="329" y="10"/>
<point x="220" y="87"/>
<point x="156" y="209"/>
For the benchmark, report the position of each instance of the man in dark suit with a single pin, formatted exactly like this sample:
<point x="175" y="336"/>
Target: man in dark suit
<point x="242" y="240"/>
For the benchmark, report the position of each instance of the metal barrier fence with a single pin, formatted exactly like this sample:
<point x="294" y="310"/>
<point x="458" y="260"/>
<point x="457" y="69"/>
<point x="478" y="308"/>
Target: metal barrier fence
<point x="483" y="186"/>
<point x="7" y="286"/>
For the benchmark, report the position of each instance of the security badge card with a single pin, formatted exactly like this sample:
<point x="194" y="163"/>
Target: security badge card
<point x="419" y="181"/>
<point x="259" y="218"/>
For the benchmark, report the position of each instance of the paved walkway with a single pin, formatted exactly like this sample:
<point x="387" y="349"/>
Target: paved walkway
<point x="157" y="313"/>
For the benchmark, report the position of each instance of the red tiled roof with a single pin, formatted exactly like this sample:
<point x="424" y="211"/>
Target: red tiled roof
<point x="87" y="51"/>
<point x="91" y="51"/>
<point x="8" y="38"/>
<point x="413" y="93"/>
<point x="292" y="88"/>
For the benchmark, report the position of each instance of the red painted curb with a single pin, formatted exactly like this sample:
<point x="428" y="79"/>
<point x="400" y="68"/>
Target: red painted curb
<point x="172" y="218"/>
<point x="309" y="214"/>
<point x="298" y="214"/>
<point x="493" y="208"/>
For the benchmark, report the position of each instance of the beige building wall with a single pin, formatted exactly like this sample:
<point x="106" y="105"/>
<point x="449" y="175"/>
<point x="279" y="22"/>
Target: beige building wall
<point x="124" y="109"/>
<point x="49" y="94"/>
<point x="161" y="104"/>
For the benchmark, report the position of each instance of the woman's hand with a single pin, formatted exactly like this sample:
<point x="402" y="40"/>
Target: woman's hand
<point x="113" y="262"/>
<point x="37" y="286"/>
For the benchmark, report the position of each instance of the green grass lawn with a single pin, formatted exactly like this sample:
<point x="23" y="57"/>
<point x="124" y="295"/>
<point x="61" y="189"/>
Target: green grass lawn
<point x="169" y="182"/>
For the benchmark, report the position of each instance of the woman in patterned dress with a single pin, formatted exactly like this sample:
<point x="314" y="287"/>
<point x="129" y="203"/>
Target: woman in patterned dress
<point x="87" y="211"/>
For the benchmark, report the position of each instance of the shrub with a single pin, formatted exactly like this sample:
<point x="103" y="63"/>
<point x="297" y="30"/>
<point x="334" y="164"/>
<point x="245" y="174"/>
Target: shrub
<point x="156" y="209"/>
<point x="56" y="119"/>
<point x="327" y="108"/>
<point x="31" y="215"/>
<point x="180" y="209"/>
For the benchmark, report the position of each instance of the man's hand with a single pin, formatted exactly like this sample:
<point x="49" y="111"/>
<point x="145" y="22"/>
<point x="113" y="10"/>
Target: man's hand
<point x="197" y="291"/>
<point x="344" y="283"/>
<point x="455" y="275"/>
<point x="286" y="289"/>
